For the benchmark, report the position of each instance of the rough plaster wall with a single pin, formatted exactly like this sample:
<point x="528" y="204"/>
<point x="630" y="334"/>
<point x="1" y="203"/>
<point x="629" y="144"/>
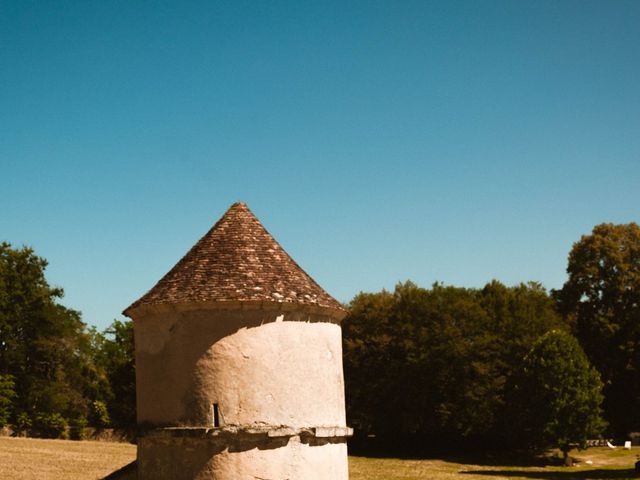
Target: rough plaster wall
<point x="199" y="459"/>
<point x="260" y="366"/>
<point x="283" y="373"/>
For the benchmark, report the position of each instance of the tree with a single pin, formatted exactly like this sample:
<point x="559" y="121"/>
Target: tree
<point x="601" y="299"/>
<point x="367" y="358"/>
<point x="43" y="345"/>
<point x="560" y="394"/>
<point x="7" y="394"/>
<point x="518" y="316"/>
<point x="115" y="355"/>
<point x="440" y="362"/>
<point x="408" y="365"/>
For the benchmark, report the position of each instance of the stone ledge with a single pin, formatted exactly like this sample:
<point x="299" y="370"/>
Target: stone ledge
<point x="271" y="431"/>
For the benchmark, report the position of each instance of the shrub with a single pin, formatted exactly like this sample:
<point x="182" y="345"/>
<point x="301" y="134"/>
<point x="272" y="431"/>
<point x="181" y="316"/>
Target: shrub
<point x="23" y="421"/>
<point x="78" y="429"/>
<point x="100" y="414"/>
<point x="7" y="394"/>
<point x="51" y="425"/>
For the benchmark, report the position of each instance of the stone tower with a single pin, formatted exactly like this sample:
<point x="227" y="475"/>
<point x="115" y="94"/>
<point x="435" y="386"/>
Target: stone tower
<point x="239" y="364"/>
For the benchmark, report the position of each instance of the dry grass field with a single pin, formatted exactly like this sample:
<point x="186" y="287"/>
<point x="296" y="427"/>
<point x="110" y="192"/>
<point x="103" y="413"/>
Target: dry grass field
<point x="27" y="458"/>
<point x="31" y="458"/>
<point x="606" y="465"/>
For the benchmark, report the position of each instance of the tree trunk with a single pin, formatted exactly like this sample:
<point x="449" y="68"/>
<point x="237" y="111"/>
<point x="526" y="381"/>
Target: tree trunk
<point x="568" y="461"/>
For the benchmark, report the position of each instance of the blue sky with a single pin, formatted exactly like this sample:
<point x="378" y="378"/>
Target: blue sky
<point x="377" y="141"/>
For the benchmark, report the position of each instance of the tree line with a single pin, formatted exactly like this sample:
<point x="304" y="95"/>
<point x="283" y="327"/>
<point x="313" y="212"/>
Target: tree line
<point x="55" y="372"/>
<point x="498" y="366"/>
<point x="450" y="367"/>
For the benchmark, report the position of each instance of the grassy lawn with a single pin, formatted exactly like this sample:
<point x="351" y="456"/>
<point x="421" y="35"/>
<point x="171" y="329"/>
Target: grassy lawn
<point x="605" y="464"/>
<point x="27" y="458"/>
<point x="31" y="458"/>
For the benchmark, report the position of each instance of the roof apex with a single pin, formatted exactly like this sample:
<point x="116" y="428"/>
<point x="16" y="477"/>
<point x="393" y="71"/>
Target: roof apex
<point x="237" y="260"/>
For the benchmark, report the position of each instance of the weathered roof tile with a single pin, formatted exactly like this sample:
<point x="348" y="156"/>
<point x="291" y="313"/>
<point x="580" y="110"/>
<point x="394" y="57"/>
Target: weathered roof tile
<point x="237" y="260"/>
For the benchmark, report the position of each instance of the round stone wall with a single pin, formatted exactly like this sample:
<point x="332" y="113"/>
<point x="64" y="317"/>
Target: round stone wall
<point x="220" y="367"/>
<point x="291" y="458"/>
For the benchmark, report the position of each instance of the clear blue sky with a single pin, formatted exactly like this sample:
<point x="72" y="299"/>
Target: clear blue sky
<point x="377" y="141"/>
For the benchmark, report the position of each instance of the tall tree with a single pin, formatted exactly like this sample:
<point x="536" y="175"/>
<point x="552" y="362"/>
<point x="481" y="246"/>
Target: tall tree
<point x="601" y="299"/>
<point x="439" y="362"/>
<point x="7" y="394"/>
<point x="43" y="344"/>
<point x="115" y="355"/>
<point x="560" y="394"/>
<point x="518" y="316"/>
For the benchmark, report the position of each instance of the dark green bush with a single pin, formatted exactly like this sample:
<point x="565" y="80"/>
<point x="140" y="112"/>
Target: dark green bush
<point x="23" y="421"/>
<point x="7" y="394"/>
<point x="51" y="425"/>
<point x="78" y="430"/>
<point x="100" y="414"/>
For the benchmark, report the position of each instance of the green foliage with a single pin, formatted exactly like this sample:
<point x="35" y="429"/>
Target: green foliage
<point x="439" y="362"/>
<point x="43" y="344"/>
<point x="51" y="425"/>
<point x="601" y="299"/>
<point x="115" y="355"/>
<point x="7" y="394"/>
<point x="100" y="414"/>
<point x="560" y="394"/>
<point x="23" y="421"/>
<point x="78" y="430"/>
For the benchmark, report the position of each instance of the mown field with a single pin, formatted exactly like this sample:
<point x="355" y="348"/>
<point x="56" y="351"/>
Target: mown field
<point x="605" y="464"/>
<point x="32" y="458"/>
<point x="26" y="459"/>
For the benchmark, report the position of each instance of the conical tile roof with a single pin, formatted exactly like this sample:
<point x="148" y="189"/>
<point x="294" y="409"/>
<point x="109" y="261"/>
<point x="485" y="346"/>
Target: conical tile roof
<point x="237" y="261"/>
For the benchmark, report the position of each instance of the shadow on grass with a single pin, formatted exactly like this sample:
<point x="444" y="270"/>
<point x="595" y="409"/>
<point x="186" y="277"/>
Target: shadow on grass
<point x="424" y="450"/>
<point x="419" y="447"/>
<point x="128" y="472"/>
<point x="584" y="475"/>
<point x="503" y="460"/>
<point x="510" y="459"/>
